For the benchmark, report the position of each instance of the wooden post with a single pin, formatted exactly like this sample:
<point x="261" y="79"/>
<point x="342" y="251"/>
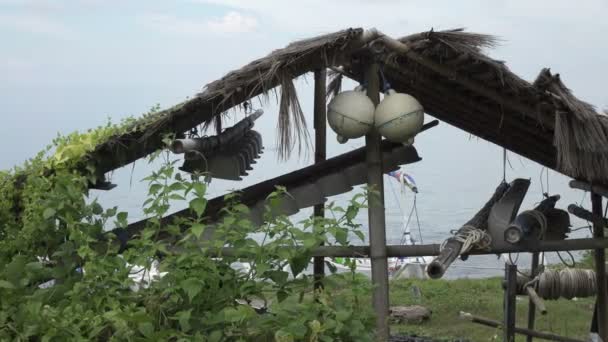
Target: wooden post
<point x="599" y="256"/>
<point x="320" y="112"/>
<point x="531" y="305"/>
<point x="510" y="294"/>
<point x="377" y="226"/>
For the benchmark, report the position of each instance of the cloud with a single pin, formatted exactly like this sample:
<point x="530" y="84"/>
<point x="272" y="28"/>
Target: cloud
<point x="232" y="22"/>
<point x="35" y="23"/>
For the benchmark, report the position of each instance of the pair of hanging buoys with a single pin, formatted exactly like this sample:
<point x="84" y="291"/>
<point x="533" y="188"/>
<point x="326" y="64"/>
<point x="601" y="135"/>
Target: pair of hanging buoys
<point x="398" y="117"/>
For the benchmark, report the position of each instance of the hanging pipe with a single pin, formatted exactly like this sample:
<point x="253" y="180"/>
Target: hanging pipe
<point x="203" y="144"/>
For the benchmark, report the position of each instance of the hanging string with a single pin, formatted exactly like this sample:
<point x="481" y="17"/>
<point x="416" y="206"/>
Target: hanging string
<point x="504" y="165"/>
<point x="385" y="85"/>
<point x="570" y="265"/>
<point x="418" y="221"/>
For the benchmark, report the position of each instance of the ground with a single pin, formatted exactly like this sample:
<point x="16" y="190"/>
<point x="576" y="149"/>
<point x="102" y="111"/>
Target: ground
<point x="482" y="297"/>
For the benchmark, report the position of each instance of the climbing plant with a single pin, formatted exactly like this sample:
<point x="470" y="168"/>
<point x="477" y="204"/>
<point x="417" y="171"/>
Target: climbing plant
<point x="63" y="277"/>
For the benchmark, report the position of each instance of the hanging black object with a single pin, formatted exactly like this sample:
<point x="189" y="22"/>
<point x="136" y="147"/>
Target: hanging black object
<point x="231" y="162"/>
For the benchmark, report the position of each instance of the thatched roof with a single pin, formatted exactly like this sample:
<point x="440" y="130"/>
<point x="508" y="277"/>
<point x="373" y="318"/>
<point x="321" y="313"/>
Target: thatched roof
<point x="448" y="73"/>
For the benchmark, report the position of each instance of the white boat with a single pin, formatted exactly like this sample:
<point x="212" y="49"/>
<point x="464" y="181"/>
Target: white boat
<point x="409" y="267"/>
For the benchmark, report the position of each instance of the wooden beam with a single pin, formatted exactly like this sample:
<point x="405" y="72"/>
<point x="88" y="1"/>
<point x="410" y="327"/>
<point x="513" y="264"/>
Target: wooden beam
<point x="320" y="126"/>
<point x="509" y="303"/>
<point x="434" y="249"/>
<point x="596" y="188"/>
<point x="376" y="218"/>
<point x="599" y="257"/>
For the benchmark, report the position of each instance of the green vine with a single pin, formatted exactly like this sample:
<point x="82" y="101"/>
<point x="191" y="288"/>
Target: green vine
<point x="62" y="277"/>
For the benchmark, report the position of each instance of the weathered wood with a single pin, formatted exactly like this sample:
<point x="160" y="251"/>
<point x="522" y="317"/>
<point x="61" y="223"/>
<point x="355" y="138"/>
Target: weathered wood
<point x="599" y="257"/>
<point x="433" y="249"/>
<point x="509" y="303"/>
<point x="409" y="314"/>
<point x="453" y="246"/>
<point x="496" y="324"/>
<point x="586" y="215"/>
<point x="320" y="126"/>
<point x="598" y="189"/>
<point x="377" y="225"/>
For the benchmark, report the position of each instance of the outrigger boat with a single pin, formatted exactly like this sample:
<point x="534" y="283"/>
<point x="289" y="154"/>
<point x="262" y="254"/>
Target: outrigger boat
<point x="402" y="267"/>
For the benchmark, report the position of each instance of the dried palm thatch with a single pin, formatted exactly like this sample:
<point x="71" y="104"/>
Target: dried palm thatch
<point x="581" y="134"/>
<point x="446" y="70"/>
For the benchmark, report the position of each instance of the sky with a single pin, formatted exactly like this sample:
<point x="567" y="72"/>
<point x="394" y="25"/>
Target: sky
<point x="71" y="64"/>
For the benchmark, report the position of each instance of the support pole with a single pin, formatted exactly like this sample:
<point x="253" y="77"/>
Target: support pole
<point x="320" y="126"/>
<point x="496" y="324"/>
<point x="377" y="233"/>
<point x="599" y="256"/>
<point x="510" y="294"/>
<point x="531" y="305"/>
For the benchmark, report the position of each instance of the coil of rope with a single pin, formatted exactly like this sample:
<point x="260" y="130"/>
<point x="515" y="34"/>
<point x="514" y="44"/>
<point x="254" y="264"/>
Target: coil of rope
<point x="540" y="218"/>
<point x="470" y="237"/>
<point x="566" y="283"/>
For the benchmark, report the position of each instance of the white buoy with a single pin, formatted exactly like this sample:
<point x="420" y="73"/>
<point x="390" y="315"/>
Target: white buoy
<point x="399" y="117"/>
<point x="351" y="114"/>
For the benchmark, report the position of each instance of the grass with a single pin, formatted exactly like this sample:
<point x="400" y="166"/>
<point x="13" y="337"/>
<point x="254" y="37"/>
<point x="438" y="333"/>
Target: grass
<point x="482" y="297"/>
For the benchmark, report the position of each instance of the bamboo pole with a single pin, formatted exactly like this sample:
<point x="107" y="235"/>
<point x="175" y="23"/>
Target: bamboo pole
<point x="510" y="294"/>
<point x="377" y="225"/>
<point x="538" y="302"/>
<point x="430" y="249"/>
<point x="495" y="324"/>
<point x="531" y="298"/>
<point x="600" y="270"/>
<point x="320" y="114"/>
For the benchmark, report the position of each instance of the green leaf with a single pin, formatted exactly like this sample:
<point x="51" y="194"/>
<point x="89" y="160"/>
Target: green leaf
<point x="122" y="216"/>
<point x="341" y="236"/>
<point x="177" y="186"/>
<point x="200" y="189"/>
<point x="215" y="336"/>
<point x="192" y="287"/>
<point x="198" y="205"/>
<point x="283" y="336"/>
<point x="48" y="213"/>
<point x="298" y="264"/>
<point x="146" y="329"/>
<point x="343" y="315"/>
<point x="279" y="277"/>
<point x="96" y="208"/>
<point x="6" y="285"/>
<point x="154" y="189"/>
<point x="197" y="230"/>
<point x="360" y="235"/>
<point x="332" y="268"/>
<point x="351" y="213"/>
<point x="184" y="320"/>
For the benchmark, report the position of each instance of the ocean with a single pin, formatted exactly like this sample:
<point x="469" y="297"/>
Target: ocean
<point x="456" y="176"/>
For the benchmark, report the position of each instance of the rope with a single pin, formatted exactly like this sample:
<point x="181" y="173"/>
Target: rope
<point x="540" y="218"/>
<point x="504" y="165"/>
<point x="418" y="220"/>
<point x="566" y="283"/>
<point x="470" y="237"/>
<point x="414" y="211"/>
